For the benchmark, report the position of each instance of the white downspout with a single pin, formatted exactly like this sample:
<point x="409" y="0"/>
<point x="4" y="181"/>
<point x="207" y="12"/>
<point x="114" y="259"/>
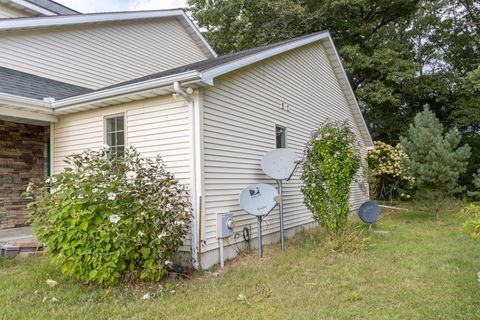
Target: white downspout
<point x="193" y="175"/>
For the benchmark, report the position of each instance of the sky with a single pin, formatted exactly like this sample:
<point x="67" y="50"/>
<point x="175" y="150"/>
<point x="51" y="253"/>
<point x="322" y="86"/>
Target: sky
<point x="87" y="6"/>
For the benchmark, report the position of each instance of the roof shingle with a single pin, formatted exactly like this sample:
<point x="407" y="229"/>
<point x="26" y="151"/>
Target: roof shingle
<point x="31" y="86"/>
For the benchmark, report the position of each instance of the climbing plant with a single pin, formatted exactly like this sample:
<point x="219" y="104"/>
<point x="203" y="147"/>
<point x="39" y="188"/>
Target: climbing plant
<point x="106" y="219"/>
<point x="331" y="161"/>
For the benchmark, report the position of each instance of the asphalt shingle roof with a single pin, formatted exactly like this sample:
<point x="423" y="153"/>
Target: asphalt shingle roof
<point x="31" y="86"/>
<point x="53" y="6"/>
<point x="209" y="63"/>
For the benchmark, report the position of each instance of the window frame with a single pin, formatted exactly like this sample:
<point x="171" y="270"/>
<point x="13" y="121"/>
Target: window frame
<point x="285" y="134"/>
<point x="105" y="133"/>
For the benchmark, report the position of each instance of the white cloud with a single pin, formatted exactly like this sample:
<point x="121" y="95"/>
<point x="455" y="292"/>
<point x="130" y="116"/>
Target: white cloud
<point x="88" y="6"/>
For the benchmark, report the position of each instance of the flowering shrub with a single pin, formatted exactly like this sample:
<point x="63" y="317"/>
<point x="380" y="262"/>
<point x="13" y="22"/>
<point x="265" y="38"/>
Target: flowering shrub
<point x="103" y="219"/>
<point x="472" y="225"/>
<point x="331" y="161"/>
<point x="391" y="177"/>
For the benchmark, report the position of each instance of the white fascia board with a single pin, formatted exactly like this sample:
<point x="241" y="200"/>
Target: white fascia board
<point x="250" y="59"/>
<point x="356" y="107"/>
<point x="9" y="112"/>
<point x="107" y="94"/>
<point x="30" y="6"/>
<point x="199" y="34"/>
<point x="62" y="20"/>
<point x="18" y="101"/>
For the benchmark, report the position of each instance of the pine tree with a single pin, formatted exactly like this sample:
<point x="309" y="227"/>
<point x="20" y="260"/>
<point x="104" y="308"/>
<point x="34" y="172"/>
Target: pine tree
<point x="436" y="160"/>
<point x="476" y="183"/>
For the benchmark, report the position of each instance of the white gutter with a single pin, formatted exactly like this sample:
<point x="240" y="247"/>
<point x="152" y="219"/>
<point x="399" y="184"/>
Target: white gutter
<point x="15" y="113"/>
<point x="117" y="92"/>
<point x="26" y="103"/>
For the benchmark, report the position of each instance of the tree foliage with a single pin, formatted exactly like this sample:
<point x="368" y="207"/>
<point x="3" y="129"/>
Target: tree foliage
<point x="435" y="158"/>
<point x="399" y="54"/>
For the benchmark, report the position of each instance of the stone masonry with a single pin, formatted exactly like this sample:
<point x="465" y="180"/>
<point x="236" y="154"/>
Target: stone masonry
<point x="23" y="158"/>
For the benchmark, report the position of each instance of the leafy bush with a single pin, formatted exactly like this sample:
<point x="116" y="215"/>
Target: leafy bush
<point x="391" y="176"/>
<point x="331" y="161"/>
<point x="435" y="157"/>
<point x="104" y="219"/>
<point x="472" y="225"/>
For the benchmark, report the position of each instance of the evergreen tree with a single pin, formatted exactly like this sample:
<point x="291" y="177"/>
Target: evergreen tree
<point x="436" y="159"/>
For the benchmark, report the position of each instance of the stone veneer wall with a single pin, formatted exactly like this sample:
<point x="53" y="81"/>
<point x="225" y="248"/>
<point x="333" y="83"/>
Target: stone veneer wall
<point x="23" y="158"/>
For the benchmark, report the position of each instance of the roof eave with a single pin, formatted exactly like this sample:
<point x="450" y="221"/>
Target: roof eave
<point x="103" y="96"/>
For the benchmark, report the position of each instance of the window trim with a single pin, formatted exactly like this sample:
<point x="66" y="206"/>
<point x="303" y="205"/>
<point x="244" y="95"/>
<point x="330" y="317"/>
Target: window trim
<point x="286" y="134"/>
<point x="115" y="115"/>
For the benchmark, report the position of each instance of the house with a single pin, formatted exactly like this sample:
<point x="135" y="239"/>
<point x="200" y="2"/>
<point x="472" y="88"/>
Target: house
<point x="149" y="79"/>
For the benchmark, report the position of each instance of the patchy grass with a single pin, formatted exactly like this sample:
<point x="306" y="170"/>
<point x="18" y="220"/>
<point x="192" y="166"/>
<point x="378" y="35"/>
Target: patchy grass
<point x="415" y="267"/>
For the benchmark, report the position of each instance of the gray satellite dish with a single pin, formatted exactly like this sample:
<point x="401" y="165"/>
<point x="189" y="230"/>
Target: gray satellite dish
<point x="279" y="163"/>
<point x="369" y="212"/>
<point x="258" y="200"/>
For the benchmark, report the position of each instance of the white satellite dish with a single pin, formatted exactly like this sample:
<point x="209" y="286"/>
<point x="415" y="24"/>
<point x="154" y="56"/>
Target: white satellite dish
<point x="279" y="163"/>
<point x="258" y="199"/>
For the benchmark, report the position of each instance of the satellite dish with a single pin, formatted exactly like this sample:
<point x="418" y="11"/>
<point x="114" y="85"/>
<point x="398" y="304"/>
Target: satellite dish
<point x="279" y="163"/>
<point x="369" y="212"/>
<point x="258" y="199"/>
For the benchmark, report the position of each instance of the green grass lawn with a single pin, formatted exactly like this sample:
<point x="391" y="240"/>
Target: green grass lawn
<point x="416" y="268"/>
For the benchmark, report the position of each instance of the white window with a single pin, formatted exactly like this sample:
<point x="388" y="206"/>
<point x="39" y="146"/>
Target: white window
<point x="281" y="137"/>
<point x="115" y="135"/>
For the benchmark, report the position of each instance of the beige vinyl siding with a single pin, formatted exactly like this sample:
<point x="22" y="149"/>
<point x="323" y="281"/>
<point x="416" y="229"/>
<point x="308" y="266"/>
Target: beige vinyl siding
<point x="153" y="126"/>
<point x="7" y="11"/>
<point x="98" y="55"/>
<point x="239" y="117"/>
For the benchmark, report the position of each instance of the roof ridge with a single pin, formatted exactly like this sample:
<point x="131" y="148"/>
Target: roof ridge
<point x="80" y="14"/>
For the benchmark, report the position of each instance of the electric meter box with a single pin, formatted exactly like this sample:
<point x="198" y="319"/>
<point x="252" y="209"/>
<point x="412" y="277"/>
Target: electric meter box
<point x="225" y="224"/>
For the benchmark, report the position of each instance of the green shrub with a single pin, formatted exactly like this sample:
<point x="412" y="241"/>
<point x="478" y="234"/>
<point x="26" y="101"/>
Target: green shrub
<point x="472" y="224"/>
<point x="105" y="219"/>
<point x="391" y="177"/>
<point x="331" y="161"/>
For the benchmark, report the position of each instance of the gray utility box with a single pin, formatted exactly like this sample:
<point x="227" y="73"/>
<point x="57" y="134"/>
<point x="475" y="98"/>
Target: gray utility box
<point x="225" y="225"/>
<point x="9" y="251"/>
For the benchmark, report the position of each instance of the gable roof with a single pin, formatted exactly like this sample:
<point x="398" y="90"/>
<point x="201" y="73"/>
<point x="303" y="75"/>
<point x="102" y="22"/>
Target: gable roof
<point x="80" y="19"/>
<point x="31" y="86"/>
<point x="202" y="73"/>
<point x="40" y="7"/>
<point x="204" y="65"/>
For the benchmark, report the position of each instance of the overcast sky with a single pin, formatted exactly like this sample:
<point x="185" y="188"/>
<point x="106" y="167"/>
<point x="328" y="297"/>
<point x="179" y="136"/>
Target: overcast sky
<point x="85" y="6"/>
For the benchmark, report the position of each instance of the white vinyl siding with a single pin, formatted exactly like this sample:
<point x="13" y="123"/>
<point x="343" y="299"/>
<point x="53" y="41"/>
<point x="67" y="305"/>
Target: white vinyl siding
<point x="153" y="126"/>
<point x="7" y="11"/>
<point x="98" y="55"/>
<point x="239" y="116"/>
